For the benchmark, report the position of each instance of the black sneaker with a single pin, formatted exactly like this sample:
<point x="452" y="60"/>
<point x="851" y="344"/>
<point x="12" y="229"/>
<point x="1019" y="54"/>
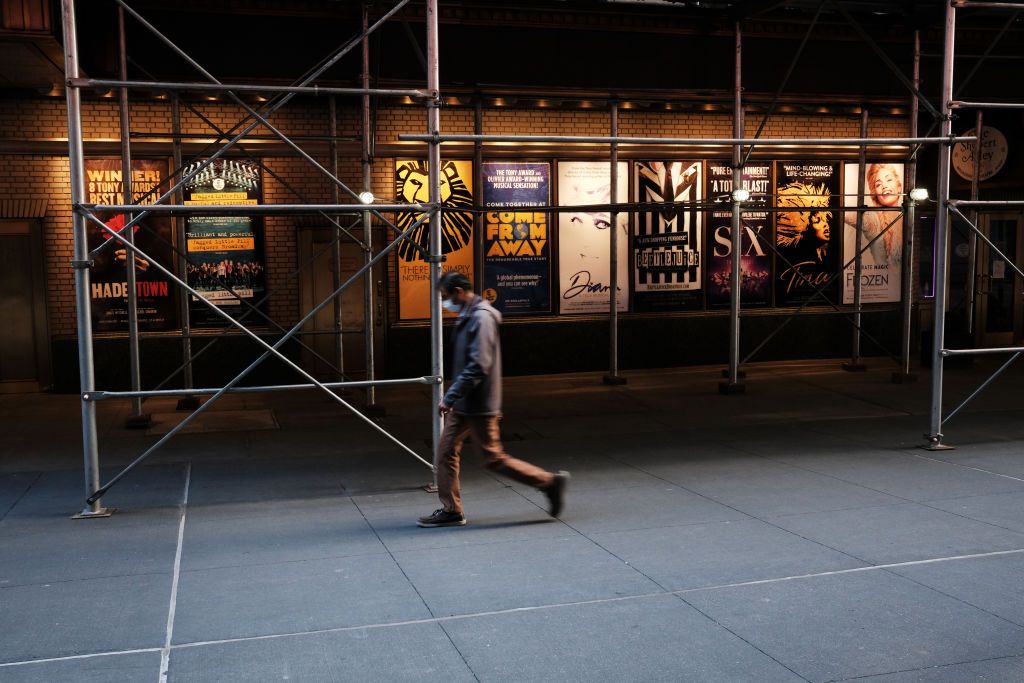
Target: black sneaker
<point x="556" y="493"/>
<point x="442" y="518"/>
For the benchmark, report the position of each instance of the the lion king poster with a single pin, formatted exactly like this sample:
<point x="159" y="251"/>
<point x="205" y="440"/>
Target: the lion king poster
<point x="412" y="186"/>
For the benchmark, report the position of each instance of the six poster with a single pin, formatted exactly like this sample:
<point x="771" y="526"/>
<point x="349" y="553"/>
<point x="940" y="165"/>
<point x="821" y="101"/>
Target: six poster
<point x="755" y="237"/>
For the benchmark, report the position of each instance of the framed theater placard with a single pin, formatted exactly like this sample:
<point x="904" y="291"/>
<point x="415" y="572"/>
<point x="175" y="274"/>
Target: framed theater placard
<point x="226" y="258"/>
<point x="412" y="186"/>
<point x="807" y="231"/>
<point x="156" y="300"/>
<point x="667" y="250"/>
<point x="882" y="233"/>
<point x="517" y="246"/>
<point x="584" y="242"/>
<point x="755" y="238"/>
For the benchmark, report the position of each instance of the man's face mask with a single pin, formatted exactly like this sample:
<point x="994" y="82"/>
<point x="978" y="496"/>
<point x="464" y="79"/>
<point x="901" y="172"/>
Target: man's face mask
<point x="450" y="305"/>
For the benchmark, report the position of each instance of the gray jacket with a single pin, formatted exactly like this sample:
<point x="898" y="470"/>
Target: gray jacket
<point x="476" y="361"/>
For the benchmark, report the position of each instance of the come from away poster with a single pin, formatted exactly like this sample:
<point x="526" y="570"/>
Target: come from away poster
<point x="517" y="249"/>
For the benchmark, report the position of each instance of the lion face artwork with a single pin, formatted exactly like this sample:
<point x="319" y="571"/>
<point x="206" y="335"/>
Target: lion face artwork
<point x="412" y="186"/>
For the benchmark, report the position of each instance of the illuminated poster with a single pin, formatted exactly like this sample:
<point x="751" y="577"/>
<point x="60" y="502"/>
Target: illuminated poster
<point x="807" y="234"/>
<point x="156" y="298"/>
<point x="517" y="252"/>
<point x="584" y="242"/>
<point x="412" y="186"/>
<point x="881" y="262"/>
<point x="755" y="239"/>
<point x="225" y="253"/>
<point x="667" y="242"/>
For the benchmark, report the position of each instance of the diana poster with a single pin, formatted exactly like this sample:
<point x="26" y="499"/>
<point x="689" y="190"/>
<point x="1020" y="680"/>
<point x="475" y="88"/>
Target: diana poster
<point x="412" y="186"/>
<point x="155" y="295"/>
<point x="517" y="251"/>
<point x="584" y="238"/>
<point x="667" y="268"/>
<point x="755" y="237"/>
<point x="882" y="233"/>
<point x="225" y="253"/>
<point x="807" y="231"/>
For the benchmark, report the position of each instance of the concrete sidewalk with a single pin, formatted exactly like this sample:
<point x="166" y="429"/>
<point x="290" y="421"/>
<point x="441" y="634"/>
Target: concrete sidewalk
<point x="794" y="533"/>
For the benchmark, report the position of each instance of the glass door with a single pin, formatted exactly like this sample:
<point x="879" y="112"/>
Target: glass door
<point x="998" y="285"/>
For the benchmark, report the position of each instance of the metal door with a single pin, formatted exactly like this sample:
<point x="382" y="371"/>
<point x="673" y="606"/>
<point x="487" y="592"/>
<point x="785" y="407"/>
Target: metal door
<point x="24" y="354"/>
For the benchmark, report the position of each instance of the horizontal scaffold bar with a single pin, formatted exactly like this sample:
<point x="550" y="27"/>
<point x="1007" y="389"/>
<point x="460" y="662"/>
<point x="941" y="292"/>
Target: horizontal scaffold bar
<point x="981" y="204"/>
<point x="981" y="352"/>
<point x="977" y="4"/>
<point x="103" y="395"/>
<point x="240" y="87"/>
<point x="244" y="209"/>
<point x="759" y="142"/>
<point x="958" y="104"/>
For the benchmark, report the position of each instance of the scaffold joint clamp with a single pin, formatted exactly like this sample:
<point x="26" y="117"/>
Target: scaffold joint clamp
<point x="83" y="265"/>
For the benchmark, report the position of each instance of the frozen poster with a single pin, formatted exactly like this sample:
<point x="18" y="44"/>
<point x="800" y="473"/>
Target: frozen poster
<point x="882" y="233"/>
<point x="584" y="237"/>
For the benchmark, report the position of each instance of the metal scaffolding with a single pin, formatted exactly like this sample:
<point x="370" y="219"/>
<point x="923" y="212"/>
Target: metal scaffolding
<point x="170" y="203"/>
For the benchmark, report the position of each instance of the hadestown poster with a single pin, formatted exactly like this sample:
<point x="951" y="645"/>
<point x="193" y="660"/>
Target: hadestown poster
<point x="755" y="237"/>
<point x="584" y="242"/>
<point x="517" y="251"/>
<point x="806" y="231"/>
<point x="882" y="233"/>
<point x="412" y="186"/>
<point x="667" y="268"/>
<point x="156" y="301"/>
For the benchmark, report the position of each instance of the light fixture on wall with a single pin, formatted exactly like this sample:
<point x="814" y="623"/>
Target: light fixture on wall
<point x="740" y="194"/>
<point x="366" y="197"/>
<point x="919" y="194"/>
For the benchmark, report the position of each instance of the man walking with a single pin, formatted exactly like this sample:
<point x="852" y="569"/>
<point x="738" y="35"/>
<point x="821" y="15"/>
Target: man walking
<point x="473" y="407"/>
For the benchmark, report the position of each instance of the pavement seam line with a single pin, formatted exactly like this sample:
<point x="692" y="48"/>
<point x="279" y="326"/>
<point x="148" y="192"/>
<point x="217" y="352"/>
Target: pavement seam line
<point x="165" y="651"/>
<point x="70" y="658"/>
<point x="24" y="493"/>
<point x="926" y="668"/>
<point x="534" y="608"/>
<point x="967" y="467"/>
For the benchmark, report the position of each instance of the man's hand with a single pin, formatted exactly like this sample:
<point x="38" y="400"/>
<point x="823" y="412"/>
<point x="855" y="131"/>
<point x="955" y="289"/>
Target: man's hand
<point x="443" y="408"/>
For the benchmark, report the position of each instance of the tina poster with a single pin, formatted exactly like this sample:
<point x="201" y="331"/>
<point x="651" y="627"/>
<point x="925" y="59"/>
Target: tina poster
<point x="412" y="186"/>
<point x="517" y="263"/>
<point x="584" y="237"/>
<point x="755" y="237"/>
<point x="882" y="229"/>
<point x="156" y="300"/>
<point x="667" y="268"/>
<point x="808" y="231"/>
<point x="225" y="253"/>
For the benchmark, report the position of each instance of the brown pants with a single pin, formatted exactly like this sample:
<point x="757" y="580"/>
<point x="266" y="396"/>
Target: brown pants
<point x="483" y="429"/>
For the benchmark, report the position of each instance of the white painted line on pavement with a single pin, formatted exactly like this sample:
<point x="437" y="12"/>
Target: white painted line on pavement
<point x="165" y="652"/>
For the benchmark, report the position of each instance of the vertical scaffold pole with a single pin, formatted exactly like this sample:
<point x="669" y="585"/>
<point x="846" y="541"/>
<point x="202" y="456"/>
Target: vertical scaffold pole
<point x="613" y="377"/>
<point x="136" y="420"/>
<point x="434" y="170"/>
<point x="369" y="319"/>
<point x="339" y="340"/>
<point x="909" y="225"/>
<point x="184" y="309"/>
<point x="83" y="317"/>
<point x="858" y="259"/>
<point x="972" y="251"/>
<point x="942" y="236"/>
<point x="732" y="385"/>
